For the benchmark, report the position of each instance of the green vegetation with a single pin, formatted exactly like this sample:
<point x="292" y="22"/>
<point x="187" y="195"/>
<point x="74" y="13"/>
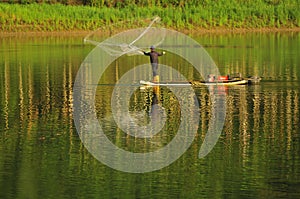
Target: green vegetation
<point x="27" y="15"/>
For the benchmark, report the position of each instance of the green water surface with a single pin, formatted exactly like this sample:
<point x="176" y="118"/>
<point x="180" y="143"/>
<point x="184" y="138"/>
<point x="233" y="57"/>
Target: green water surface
<point x="256" y="156"/>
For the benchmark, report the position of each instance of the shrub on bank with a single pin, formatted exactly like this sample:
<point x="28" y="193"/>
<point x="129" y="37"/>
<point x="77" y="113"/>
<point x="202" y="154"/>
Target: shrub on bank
<point x="174" y="13"/>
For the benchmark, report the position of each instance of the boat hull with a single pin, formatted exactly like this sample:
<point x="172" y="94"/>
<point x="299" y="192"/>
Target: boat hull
<point x="222" y="83"/>
<point x="197" y="83"/>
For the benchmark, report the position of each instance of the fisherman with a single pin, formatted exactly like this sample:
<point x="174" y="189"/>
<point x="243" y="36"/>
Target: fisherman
<point x="154" y="62"/>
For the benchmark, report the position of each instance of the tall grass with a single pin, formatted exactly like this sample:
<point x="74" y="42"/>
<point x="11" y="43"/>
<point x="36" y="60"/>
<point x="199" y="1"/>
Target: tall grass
<point x="177" y="14"/>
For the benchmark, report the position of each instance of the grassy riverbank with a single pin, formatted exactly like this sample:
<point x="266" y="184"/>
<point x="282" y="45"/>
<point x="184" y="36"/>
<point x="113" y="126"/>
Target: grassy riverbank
<point x="223" y="14"/>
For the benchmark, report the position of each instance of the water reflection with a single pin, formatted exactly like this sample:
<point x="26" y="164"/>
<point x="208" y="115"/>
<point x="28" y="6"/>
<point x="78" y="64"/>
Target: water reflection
<point x="250" y="110"/>
<point x="271" y="56"/>
<point x="257" y="154"/>
<point x="6" y="87"/>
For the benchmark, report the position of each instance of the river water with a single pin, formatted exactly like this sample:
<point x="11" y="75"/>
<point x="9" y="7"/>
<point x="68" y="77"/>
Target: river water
<point x="256" y="156"/>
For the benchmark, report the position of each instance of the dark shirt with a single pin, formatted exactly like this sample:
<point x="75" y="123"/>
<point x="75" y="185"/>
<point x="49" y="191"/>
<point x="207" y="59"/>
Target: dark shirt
<point x="153" y="56"/>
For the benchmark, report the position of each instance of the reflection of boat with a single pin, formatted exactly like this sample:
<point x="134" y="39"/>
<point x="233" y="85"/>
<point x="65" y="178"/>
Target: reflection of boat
<point x="225" y="82"/>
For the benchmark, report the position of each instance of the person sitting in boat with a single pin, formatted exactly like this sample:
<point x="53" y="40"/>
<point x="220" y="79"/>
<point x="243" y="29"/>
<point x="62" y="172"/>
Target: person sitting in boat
<point x="154" y="61"/>
<point x="211" y="78"/>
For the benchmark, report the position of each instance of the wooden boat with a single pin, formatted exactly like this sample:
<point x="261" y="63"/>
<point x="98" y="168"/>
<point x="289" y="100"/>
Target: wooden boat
<point x="148" y="83"/>
<point x="230" y="82"/>
<point x="220" y="81"/>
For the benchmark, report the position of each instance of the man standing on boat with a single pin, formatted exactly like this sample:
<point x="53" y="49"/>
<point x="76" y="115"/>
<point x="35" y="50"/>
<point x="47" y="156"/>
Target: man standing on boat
<point x="154" y="62"/>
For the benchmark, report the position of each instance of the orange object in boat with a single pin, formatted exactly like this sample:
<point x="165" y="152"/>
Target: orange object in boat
<point x="223" y="77"/>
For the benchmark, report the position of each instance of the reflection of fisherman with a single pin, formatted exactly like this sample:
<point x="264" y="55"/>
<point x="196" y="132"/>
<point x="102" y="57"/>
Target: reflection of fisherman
<point x="155" y="107"/>
<point x="154" y="61"/>
<point x="155" y="96"/>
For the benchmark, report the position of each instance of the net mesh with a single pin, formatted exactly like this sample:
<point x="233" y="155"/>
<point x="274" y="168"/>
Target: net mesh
<point x="130" y="42"/>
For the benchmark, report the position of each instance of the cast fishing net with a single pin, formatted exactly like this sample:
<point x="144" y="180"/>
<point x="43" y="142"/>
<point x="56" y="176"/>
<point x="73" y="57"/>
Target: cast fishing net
<point x="130" y="42"/>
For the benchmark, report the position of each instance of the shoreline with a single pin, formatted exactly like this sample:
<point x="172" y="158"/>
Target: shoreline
<point x="224" y="30"/>
<point x="197" y="31"/>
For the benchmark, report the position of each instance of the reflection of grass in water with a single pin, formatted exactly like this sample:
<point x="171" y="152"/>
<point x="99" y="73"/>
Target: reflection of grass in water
<point x="208" y="14"/>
